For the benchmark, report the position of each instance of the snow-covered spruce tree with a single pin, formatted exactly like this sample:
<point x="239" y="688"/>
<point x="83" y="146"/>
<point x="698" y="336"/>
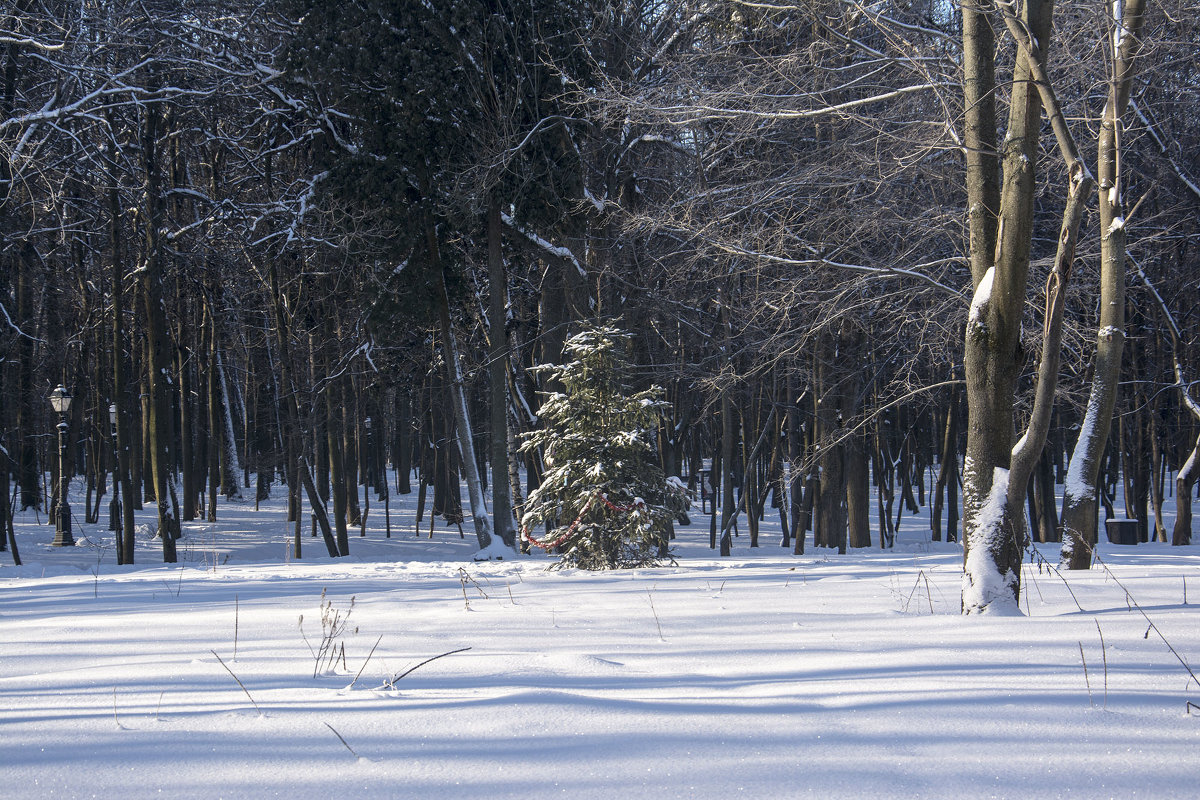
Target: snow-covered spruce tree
<point x="603" y="494"/>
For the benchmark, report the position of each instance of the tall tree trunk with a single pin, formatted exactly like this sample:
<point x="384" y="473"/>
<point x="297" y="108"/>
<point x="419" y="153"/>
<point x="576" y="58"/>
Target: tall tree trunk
<point x="728" y="437"/>
<point x="402" y="457"/>
<point x="28" y="476"/>
<point x="188" y="435"/>
<point x="12" y="447"/>
<point x="215" y="437"/>
<point x="948" y="465"/>
<point x="159" y="363"/>
<point x="830" y="528"/>
<point x="224" y="435"/>
<point x="728" y="447"/>
<point x="750" y="482"/>
<point x="348" y="416"/>
<point x="1079" y="515"/>
<point x="337" y="476"/>
<point x="1157" y="469"/>
<point x="123" y="478"/>
<point x="502" y="503"/>
<point x="795" y="439"/>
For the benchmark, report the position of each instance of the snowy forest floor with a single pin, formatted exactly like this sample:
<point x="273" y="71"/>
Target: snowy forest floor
<point x="760" y="675"/>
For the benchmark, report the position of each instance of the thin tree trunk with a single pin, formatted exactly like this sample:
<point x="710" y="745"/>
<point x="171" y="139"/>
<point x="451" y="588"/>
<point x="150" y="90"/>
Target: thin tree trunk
<point x="337" y="476"/>
<point x="292" y="421"/>
<point x="502" y="501"/>
<point x="728" y="502"/>
<point x="1185" y="482"/>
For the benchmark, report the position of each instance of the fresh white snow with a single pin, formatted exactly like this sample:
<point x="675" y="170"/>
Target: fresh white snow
<point x="761" y="675"/>
<point x="984" y="587"/>
<point x="981" y="298"/>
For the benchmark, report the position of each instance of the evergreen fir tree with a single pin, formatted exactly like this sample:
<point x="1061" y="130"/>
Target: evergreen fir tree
<point x="603" y="494"/>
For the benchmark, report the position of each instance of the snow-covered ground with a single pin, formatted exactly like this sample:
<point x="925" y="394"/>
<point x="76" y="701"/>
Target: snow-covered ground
<point x="760" y="675"/>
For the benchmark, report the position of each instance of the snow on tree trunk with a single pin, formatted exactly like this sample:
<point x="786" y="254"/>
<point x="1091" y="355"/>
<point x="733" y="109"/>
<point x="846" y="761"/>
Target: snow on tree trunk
<point x="990" y="584"/>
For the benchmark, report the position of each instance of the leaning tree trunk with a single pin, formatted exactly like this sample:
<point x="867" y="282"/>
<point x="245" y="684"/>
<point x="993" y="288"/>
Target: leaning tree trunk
<point x="458" y="396"/>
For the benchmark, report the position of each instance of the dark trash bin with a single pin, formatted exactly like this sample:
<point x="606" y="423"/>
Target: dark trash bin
<point x="1122" y="531"/>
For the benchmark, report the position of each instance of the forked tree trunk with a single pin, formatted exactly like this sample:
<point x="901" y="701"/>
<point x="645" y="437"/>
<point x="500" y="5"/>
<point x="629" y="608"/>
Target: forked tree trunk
<point x="993" y="523"/>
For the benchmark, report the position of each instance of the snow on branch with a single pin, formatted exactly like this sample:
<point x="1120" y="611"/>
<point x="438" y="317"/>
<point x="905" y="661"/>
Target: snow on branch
<point x="84" y="103"/>
<point x="302" y="203"/>
<point x="655" y="138"/>
<point x="679" y="35"/>
<point x="554" y="250"/>
<point x="13" y="41"/>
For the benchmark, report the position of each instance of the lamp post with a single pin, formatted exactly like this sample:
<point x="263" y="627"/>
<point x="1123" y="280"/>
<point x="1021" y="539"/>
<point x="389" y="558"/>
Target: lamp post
<point x="60" y="401"/>
<point x="114" y="507"/>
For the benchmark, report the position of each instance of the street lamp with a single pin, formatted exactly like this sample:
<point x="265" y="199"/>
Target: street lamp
<point x="60" y="401"/>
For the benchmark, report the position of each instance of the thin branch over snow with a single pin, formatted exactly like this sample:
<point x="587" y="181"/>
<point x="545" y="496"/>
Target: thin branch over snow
<point x="881" y="271"/>
<point x="689" y="114"/>
<point x="14" y="325"/>
<point x="1183" y="385"/>
<point x="1162" y="147"/>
